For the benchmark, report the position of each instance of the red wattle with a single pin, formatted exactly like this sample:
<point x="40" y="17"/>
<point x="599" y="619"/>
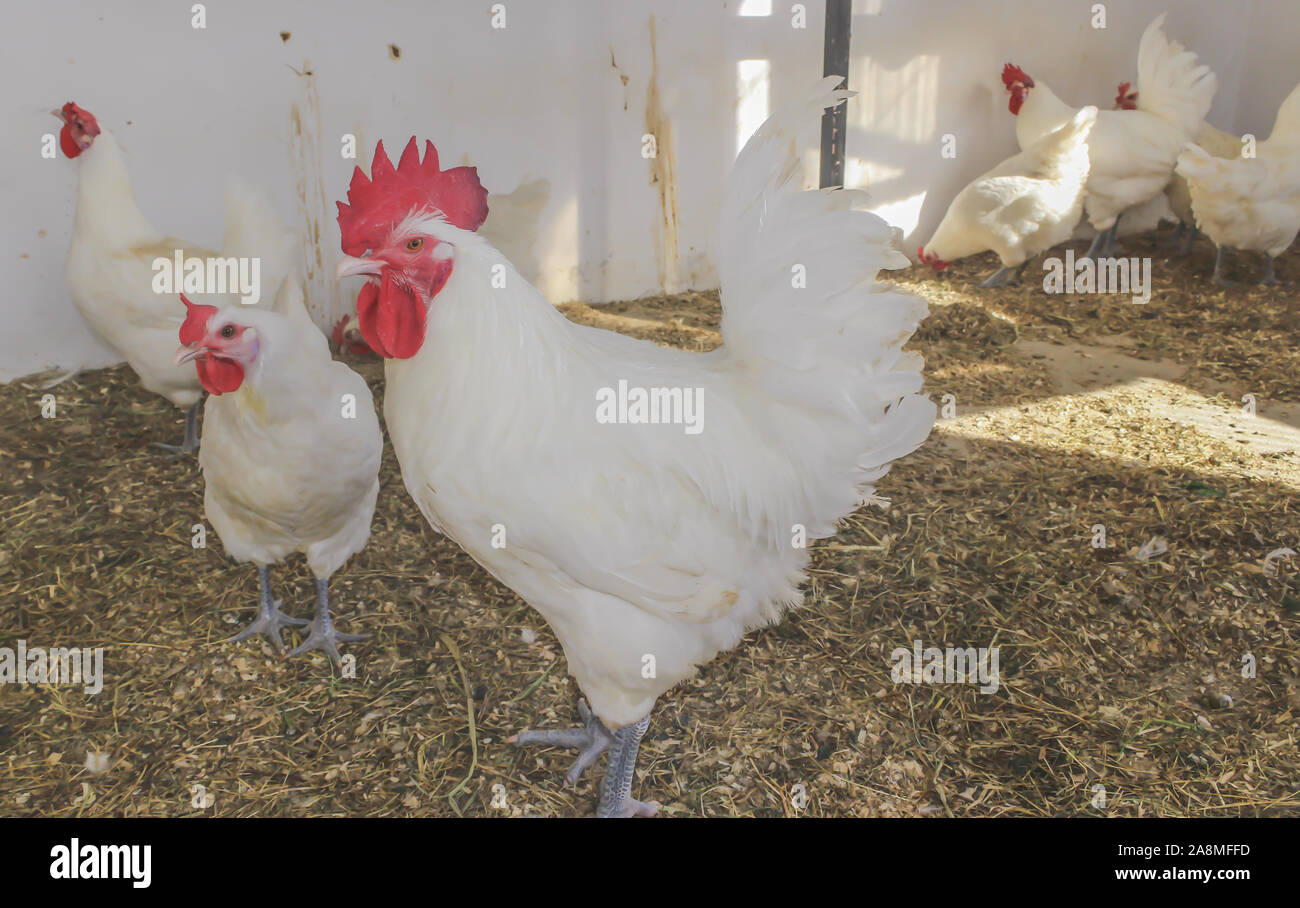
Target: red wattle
<point x="392" y="317"/>
<point x="219" y="376"/>
<point x="67" y="143"/>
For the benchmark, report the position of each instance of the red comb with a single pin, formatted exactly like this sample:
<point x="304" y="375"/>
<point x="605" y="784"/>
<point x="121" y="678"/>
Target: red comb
<point x="196" y="321"/>
<point x="378" y="202"/>
<point x="81" y="117"/>
<point x="932" y="260"/>
<point x="1012" y="74"/>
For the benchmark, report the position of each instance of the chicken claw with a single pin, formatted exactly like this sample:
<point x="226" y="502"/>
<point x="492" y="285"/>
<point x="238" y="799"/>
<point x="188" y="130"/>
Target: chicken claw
<point x="321" y="633"/>
<point x="592" y="740"/>
<point x="270" y="620"/>
<point x="1008" y="274"/>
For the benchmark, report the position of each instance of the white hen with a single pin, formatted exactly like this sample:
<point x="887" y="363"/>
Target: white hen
<point x="1025" y="205"/>
<point x="648" y="546"/>
<point x="1132" y="151"/>
<point x="1218" y="143"/>
<point x="109" y="268"/>
<point x="291" y="449"/>
<point x="1250" y="203"/>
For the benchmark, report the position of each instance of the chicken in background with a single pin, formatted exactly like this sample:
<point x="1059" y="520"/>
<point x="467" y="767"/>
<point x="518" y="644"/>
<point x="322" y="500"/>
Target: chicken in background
<point x="1024" y="206"/>
<point x="1249" y="203"/>
<point x="1126" y="97"/>
<point x="109" y="267"/>
<point x="640" y="540"/>
<point x="1217" y="142"/>
<point x="291" y="450"/>
<point x="348" y="339"/>
<point x="1132" y="151"/>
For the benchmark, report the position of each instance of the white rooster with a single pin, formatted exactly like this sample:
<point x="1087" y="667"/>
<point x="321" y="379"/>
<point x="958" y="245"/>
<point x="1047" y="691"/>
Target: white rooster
<point x="1250" y="203"/>
<point x="1132" y="151"/>
<point x="1025" y="205"/>
<point x="109" y="268"/>
<point x="291" y="449"/>
<point x="648" y="546"/>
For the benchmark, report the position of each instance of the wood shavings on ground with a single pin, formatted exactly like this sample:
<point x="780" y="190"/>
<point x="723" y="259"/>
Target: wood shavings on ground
<point x="1119" y="676"/>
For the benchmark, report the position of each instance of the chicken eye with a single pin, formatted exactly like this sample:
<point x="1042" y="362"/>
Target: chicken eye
<point x="415" y="244"/>
<point x="228" y="331"/>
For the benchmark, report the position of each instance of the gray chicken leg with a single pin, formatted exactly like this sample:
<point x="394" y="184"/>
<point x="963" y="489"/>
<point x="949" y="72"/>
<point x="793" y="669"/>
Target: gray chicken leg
<point x="620" y="766"/>
<point x="191" y="440"/>
<point x="1218" y="277"/>
<point x="1008" y="274"/>
<point x="1270" y="276"/>
<point x="1111" y="235"/>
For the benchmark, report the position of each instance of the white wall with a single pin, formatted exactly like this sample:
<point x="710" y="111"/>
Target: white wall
<point x="553" y="106"/>
<point x="558" y="100"/>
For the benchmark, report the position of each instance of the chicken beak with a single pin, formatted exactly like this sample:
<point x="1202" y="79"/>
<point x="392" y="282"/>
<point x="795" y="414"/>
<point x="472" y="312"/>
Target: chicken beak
<point x="189" y="353"/>
<point x="350" y="266"/>
<point x="58" y="113"/>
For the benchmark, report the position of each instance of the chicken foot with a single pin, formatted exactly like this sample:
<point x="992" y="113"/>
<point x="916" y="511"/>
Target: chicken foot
<point x="191" y="440"/>
<point x="270" y="620"/>
<point x="321" y="633"/>
<point x="592" y="740"/>
<point x="1008" y="274"/>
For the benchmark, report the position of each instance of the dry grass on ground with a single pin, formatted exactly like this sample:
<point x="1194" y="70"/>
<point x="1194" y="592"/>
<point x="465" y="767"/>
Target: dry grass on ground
<point x="1115" y="671"/>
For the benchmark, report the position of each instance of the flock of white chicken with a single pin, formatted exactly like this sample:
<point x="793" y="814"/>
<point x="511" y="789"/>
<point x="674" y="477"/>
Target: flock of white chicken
<point x="647" y="549"/>
<point x="1077" y="163"/>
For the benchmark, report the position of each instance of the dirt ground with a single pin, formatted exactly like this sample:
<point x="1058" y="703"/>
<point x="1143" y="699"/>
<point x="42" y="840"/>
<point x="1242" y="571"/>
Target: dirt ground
<point x="1126" y="682"/>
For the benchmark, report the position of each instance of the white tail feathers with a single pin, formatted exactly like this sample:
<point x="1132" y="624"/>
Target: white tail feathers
<point x="291" y="304"/>
<point x="254" y="230"/>
<point x="1286" y="126"/>
<point x="1073" y="132"/>
<point x="1170" y="83"/>
<point x="798" y="268"/>
<point x="802" y="310"/>
<point x="1066" y="146"/>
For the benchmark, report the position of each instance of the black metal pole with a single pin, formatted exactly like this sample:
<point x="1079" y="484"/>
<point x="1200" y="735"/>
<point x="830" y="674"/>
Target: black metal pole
<point x="835" y="57"/>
